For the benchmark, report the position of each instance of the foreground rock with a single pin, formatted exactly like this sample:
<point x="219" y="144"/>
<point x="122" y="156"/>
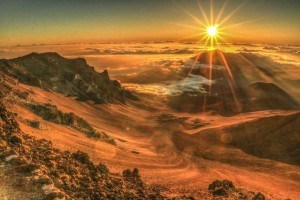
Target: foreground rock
<point x="226" y="190"/>
<point x="221" y="188"/>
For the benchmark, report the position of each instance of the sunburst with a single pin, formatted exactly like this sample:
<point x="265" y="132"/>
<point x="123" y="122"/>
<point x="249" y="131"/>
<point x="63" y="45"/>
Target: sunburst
<point x="210" y="28"/>
<point x="211" y="31"/>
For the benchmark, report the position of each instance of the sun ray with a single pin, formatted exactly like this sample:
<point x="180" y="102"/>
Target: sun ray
<point x="211" y="13"/>
<point x="193" y="65"/>
<point x="210" y="71"/>
<point x="184" y="25"/>
<point x="226" y="65"/>
<point x="203" y="13"/>
<point x="197" y="20"/>
<point x="231" y="81"/>
<point x="232" y="13"/>
<point x="242" y="23"/>
<point x="221" y="12"/>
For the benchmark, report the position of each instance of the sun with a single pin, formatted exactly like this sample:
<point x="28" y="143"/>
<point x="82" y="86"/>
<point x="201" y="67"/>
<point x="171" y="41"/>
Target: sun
<point x="212" y="31"/>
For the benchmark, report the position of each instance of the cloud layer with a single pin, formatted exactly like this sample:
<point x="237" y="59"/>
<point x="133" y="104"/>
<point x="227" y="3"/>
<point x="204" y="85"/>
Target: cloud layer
<point x="154" y="67"/>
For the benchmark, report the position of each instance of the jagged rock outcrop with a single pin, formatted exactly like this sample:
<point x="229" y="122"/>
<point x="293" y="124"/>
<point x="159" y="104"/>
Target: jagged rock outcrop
<point x="73" y="77"/>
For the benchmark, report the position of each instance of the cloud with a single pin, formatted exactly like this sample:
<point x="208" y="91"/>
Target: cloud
<point x="247" y="50"/>
<point x="270" y="48"/>
<point x="290" y="49"/>
<point x="154" y="71"/>
<point x="145" y="49"/>
<point x="191" y="84"/>
<point x="93" y="50"/>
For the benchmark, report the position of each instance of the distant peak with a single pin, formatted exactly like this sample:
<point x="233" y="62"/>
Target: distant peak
<point x="105" y="74"/>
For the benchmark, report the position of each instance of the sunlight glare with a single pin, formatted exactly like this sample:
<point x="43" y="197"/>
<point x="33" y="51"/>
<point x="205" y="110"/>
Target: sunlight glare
<point x="212" y="31"/>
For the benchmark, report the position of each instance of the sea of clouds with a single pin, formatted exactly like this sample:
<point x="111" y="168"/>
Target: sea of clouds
<point x="154" y="68"/>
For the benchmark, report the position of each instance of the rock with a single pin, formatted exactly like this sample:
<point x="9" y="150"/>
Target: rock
<point x="135" y="173"/>
<point x="216" y="184"/>
<point x="127" y="173"/>
<point x="15" y="140"/>
<point x="8" y="158"/>
<point x="19" y="161"/>
<point x="81" y="157"/>
<point x="44" y="181"/>
<point x="8" y="152"/>
<point x="221" y="188"/>
<point x="35" y="124"/>
<point x="259" y="196"/>
<point x="47" y="187"/>
<point x="55" y="196"/>
<point x="227" y="184"/>
<point x="27" y="168"/>
<point x="220" y="192"/>
<point x="37" y="172"/>
<point x="102" y="168"/>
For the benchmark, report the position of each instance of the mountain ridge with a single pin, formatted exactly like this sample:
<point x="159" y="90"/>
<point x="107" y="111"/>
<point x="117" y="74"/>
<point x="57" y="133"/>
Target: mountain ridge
<point x="73" y="77"/>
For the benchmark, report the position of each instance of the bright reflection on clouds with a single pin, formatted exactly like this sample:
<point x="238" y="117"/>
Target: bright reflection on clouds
<point x="192" y="84"/>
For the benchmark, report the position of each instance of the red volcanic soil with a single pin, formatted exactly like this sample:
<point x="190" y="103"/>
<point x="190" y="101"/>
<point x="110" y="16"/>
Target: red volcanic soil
<point x="172" y="153"/>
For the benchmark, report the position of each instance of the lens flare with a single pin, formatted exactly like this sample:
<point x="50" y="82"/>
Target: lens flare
<point x="212" y="31"/>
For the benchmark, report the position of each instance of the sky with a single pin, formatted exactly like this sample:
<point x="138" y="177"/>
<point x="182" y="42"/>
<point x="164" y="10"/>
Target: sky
<point x="27" y="22"/>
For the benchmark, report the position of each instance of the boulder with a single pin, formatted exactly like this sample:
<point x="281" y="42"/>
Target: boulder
<point x="221" y="188"/>
<point x="81" y="157"/>
<point x="259" y="196"/>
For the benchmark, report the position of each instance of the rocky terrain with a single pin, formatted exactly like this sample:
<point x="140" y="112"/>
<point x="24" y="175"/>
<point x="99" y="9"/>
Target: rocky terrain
<point x="51" y="113"/>
<point x="72" y="77"/>
<point x="57" y="175"/>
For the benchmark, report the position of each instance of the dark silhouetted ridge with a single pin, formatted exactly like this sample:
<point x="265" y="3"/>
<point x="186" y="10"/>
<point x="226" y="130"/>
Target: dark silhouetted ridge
<point x="72" y="77"/>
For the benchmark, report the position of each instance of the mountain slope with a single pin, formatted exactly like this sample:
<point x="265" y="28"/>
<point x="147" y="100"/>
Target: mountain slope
<point x="55" y="174"/>
<point x="72" y="77"/>
<point x="273" y="137"/>
<point x="238" y="86"/>
<point x="267" y="96"/>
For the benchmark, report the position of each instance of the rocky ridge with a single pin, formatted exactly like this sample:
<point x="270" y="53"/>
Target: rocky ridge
<point x="72" y="77"/>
